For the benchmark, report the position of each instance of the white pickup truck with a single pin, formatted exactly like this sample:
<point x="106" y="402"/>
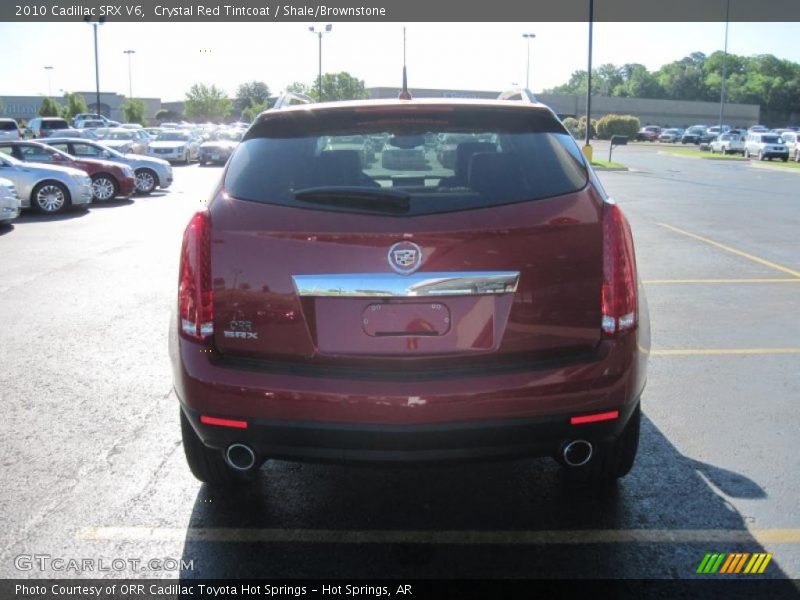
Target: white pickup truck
<point x="727" y="143"/>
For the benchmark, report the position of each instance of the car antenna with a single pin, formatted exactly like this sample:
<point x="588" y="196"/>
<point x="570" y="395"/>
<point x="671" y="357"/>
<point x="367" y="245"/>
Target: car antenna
<point x="404" y="93"/>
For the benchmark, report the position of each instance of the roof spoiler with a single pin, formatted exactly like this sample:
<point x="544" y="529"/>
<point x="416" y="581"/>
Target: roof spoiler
<point x="519" y="94"/>
<point x="291" y="99"/>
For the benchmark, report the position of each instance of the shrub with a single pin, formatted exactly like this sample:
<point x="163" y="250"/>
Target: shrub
<point x="609" y="125"/>
<point x="572" y="126"/>
<point x="582" y="128"/>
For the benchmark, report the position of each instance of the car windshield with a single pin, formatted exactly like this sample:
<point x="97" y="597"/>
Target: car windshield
<point x="8" y="126"/>
<point x="120" y="135"/>
<point x="172" y="136"/>
<point x="386" y="158"/>
<point x="771" y="139"/>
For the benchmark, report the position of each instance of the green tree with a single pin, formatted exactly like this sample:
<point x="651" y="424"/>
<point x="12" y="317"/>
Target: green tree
<point x="133" y="111"/>
<point x="166" y="114"/>
<point x="297" y="88"/>
<point x="49" y="108"/>
<point x="250" y="94"/>
<point x="74" y="104"/>
<point x="207" y="103"/>
<point x="252" y="111"/>
<point x="338" y="86"/>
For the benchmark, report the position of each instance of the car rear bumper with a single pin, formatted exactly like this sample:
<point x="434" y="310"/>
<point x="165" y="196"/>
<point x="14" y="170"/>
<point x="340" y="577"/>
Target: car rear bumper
<point x="439" y="442"/>
<point x="323" y="416"/>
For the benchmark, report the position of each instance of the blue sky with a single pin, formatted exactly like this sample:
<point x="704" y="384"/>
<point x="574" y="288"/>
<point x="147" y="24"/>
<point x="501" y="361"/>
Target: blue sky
<point x="170" y="57"/>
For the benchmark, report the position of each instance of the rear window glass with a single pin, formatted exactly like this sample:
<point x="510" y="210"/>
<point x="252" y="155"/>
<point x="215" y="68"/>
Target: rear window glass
<point x="405" y="162"/>
<point x="8" y="126"/>
<point x="770" y="139"/>
<point x="58" y="124"/>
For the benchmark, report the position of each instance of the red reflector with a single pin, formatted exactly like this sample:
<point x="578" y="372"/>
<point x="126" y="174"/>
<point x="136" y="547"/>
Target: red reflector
<point x="223" y="422"/>
<point x="606" y="416"/>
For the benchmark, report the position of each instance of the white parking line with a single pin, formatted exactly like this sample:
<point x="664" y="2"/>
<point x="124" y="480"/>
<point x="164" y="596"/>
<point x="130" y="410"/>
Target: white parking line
<point x="459" y="537"/>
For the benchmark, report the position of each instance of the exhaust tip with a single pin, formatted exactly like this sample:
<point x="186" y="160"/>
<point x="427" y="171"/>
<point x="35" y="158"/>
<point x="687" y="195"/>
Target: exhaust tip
<point x="240" y="457"/>
<point x="577" y="453"/>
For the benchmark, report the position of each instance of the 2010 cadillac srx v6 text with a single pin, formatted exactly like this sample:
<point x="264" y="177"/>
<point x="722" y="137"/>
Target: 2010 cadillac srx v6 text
<point x="334" y="305"/>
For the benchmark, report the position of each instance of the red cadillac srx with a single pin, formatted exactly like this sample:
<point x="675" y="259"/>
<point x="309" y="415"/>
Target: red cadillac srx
<point x="346" y="296"/>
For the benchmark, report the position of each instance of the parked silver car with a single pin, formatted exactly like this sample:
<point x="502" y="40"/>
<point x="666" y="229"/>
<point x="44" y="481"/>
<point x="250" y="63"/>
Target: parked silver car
<point x="47" y="188"/>
<point x="9" y="201"/>
<point x="175" y="146"/>
<point x="765" y="146"/>
<point x="149" y="172"/>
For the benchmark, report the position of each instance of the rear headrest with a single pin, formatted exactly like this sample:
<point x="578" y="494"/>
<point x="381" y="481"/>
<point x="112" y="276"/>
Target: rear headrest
<point x="334" y="165"/>
<point x="496" y="174"/>
<point x="464" y="152"/>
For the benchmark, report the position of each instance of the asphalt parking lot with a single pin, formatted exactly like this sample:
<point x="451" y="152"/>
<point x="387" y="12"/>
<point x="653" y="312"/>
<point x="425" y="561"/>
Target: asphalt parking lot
<point x="93" y="466"/>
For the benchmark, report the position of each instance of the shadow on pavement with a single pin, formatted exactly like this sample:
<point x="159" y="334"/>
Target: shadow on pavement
<point x="33" y="217"/>
<point x="113" y="203"/>
<point x="512" y="501"/>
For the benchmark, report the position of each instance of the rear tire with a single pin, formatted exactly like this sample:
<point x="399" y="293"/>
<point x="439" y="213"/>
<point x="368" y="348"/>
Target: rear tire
<point x="207" y="464"/>
<point x="613" y="460"/>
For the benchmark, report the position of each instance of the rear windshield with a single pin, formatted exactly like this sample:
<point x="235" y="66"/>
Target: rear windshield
<point x="8" y="126"/>
<point x="405" y="162"/>
<point x="58" y="124"/>
<point x="771" y="139"/>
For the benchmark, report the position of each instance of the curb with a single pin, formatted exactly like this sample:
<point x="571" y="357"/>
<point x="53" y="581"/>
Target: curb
<point x="768" y="167"/>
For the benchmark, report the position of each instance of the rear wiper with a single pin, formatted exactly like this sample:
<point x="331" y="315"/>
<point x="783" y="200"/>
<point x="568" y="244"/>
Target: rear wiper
<point x="359" y="198"/>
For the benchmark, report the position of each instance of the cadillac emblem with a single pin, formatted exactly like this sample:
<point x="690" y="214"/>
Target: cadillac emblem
<point x="405" y="257"/>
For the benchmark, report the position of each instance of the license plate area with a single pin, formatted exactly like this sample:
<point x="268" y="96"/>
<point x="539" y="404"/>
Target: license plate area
<point x="407" y="319"/>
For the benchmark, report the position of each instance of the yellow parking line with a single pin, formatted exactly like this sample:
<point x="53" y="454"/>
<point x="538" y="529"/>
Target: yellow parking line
<point x="464" y="537"/>
<point x="757" y="259"/>
<point x="712" y="281"/>
<point x="722" y="351"/>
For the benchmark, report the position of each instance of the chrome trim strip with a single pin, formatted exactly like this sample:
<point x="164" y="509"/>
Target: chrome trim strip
<point x="390" y="285"/>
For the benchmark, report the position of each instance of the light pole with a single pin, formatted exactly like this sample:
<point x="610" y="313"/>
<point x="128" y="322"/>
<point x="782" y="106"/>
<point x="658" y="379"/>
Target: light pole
<point x="130" y="78"/>
<point x="49" y="81"/>
<point x="99" y="22"/>
<point x="319" y="33"/>
<point x="528" y="37"/>
<point x="724" y="67"/>
<point x="587" y="146"/>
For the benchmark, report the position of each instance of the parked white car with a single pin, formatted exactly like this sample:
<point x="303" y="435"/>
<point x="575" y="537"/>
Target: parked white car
<point x="792" y="141"/>
<point x="727" y="143"/>
<point x="175" y="146"/>
<point x="10" y="203"/>
<point x="9" y="130"/>
<point x="765" y="146"/>
<point x="47" y="188"/>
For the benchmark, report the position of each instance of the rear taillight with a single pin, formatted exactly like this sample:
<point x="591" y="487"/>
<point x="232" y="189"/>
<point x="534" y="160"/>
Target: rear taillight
<point x="618" y="301"/>
<point x="195" y="297"/>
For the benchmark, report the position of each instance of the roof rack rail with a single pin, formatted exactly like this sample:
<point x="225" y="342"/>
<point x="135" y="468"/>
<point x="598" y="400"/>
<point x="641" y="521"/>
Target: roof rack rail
<point x="521" y="94"/>
<point x="291" y="99"/>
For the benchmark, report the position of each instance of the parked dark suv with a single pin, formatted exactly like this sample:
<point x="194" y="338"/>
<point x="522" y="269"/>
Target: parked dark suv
<point x="330" y="310"/>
